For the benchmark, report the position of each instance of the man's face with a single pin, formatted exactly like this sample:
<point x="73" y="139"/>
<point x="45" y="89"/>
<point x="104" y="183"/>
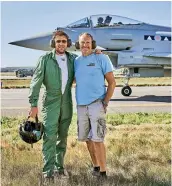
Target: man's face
<point x="85" y="43"/>
<point x="60" y="44"/>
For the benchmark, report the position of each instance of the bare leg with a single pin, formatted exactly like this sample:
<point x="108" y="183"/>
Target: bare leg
<point x="100" y="152"/>
<point x="91" y="149"/>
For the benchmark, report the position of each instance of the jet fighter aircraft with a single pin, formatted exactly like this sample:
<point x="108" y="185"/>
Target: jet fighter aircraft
<point x="144" y="49"/>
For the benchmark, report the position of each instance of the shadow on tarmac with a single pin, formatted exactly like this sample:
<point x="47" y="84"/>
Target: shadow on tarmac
<point x="152" y="98"/>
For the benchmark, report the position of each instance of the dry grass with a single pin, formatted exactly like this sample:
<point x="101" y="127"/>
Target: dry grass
<point x="7" y="74"/>
<point x="137" y="154"/>
<point x="162" y="81"/>
<point x="15" y="83"/>
<point x="147" y="81"/>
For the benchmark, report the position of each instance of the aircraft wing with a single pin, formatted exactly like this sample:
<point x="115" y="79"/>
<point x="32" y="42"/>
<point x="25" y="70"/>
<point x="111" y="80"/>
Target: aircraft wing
<point x="152" y="54"/>
<point x="136" y="59"/>
<point x="158" y="54"/>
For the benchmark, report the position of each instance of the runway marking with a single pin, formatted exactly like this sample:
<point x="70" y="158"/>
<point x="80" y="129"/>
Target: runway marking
<point x="110" y="106"/>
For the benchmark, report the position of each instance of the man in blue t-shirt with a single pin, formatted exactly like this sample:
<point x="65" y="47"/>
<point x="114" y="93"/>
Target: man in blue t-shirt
<point x="91" y="70"/>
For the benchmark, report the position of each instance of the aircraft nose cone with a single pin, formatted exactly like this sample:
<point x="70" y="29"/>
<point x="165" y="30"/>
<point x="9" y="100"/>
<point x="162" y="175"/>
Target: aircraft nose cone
<point x="19" y="43"/>
<point x="32" y="42"/>
<point x="39" y="43"/>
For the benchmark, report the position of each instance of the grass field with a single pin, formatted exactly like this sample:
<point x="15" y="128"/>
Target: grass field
<point x="163" y="81"/>
<point x="7" y="74"/>
<point x="138" y="153"/>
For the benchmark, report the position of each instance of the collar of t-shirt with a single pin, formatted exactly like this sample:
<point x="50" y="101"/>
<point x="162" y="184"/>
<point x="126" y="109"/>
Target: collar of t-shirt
<point x="61" y="58"/>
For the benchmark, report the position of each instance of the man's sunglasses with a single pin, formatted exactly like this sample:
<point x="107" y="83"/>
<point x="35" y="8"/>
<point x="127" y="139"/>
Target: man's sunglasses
<point x="61" y="41"/>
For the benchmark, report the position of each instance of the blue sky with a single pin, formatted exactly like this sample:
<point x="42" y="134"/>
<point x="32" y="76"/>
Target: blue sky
<point x="21" y="20"/>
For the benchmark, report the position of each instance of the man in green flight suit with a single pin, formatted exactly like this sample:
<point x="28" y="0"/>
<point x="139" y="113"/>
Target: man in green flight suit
<point x="55" y="70"/>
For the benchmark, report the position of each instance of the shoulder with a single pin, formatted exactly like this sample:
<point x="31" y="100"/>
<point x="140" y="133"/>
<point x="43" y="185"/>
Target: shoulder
<point x="43" y="57"/>
<point x="46" y="56"/>
<point x="78" y="58"/>
<point x="102" y="57"/>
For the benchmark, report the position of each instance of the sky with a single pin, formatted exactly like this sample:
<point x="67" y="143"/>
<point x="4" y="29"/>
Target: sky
<point x="24" y="19"/>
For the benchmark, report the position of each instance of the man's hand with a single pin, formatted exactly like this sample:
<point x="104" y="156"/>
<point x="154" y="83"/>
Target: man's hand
<point x="111" y="86"/>
<point x="105" y="108"/>
<point x="105" y="104"/>
<point x="33" y="112"/>
<point x="98" y="51"/>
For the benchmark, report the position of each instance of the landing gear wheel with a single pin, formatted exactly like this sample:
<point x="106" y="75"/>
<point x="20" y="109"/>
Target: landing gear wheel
<point x="126" y="91"/>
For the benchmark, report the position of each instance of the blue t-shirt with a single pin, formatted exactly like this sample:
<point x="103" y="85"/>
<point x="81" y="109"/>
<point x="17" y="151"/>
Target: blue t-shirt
<point x="89" y="75"/>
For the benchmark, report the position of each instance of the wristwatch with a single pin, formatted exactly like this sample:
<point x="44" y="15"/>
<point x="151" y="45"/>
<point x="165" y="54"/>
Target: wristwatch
<point x="105" y="103"/>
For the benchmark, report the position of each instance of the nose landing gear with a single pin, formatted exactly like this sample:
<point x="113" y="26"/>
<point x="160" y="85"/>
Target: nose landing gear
<point x="126" y="90"/>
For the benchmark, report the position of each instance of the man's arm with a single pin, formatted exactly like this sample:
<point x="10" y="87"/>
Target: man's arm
<point x="107" y="69"/>
<point x="35" y="86"/>
<point x="111" y="86"/>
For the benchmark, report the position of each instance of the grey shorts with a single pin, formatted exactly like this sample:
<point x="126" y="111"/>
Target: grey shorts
<point x="91" y="122"/>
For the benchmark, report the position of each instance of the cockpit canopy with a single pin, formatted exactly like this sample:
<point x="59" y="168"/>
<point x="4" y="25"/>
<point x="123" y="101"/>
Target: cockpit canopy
<point x="83" y="23"/>
<point x="103" y="20"/>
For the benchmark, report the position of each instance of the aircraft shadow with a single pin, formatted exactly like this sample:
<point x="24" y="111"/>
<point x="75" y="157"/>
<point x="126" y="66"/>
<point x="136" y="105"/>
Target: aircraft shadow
<point x="152" y="98"/>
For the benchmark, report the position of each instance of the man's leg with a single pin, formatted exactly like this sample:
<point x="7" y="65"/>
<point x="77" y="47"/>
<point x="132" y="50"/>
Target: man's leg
<point x="64" y="122"/>
<point x="50" y="120"/>
<point x="91" y="149"/>
<point x="83" y="123"/>
<point x="84" y="128"/>
<point x="101" y="155"/>
<point x="98" y="128"/>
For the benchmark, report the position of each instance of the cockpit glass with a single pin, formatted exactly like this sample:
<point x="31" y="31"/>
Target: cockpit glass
<point x="83" y="23"/>
<point x="112" y="21"/>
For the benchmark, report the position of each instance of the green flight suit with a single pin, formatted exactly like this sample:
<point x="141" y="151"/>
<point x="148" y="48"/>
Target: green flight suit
<point x="57" y="108"/>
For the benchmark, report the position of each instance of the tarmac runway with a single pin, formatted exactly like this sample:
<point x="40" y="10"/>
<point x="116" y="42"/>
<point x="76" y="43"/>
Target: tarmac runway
<point x="14" y="102"/>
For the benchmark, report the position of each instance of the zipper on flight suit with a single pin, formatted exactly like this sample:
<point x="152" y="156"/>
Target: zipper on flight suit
<point x="60" y="77"/>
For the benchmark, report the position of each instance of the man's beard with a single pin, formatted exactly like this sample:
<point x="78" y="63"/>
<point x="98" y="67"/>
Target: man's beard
<point x="59" y="52"/>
